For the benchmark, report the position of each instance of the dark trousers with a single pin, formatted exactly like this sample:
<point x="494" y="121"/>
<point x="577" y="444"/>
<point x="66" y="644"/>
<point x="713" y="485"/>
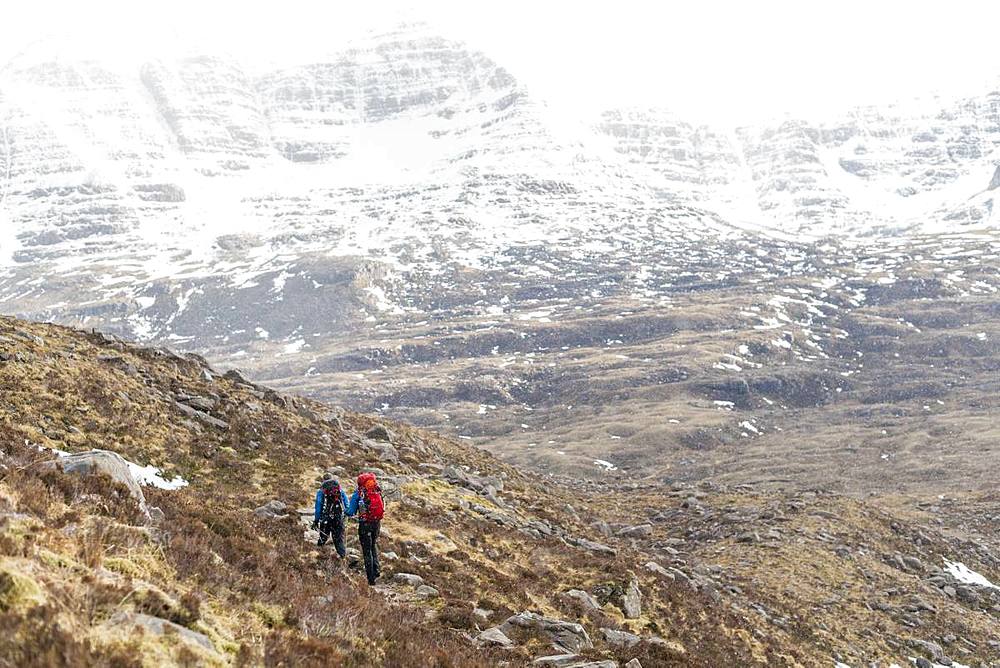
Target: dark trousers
<point x="333" y="527"/>
<point x="368" y="535"/>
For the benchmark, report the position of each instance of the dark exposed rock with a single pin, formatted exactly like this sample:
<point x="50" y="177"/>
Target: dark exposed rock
<point x="380" y="433"/>
<point x="201" y="416"/>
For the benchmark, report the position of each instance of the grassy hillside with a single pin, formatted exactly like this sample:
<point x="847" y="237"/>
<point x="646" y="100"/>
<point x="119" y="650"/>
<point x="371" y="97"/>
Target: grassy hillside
<point x="722" y="576"/>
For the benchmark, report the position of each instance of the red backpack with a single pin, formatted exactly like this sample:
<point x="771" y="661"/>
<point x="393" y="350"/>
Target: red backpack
<point x="370" y="505"/>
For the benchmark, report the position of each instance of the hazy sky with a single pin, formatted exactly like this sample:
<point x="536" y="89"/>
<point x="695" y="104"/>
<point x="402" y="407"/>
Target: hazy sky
<point x="717" y="60"/>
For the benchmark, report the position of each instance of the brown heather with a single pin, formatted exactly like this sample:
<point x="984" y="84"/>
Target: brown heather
<point x="76" y="552"/>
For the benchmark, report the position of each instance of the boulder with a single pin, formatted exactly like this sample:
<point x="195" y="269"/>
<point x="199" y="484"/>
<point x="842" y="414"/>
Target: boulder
<point x="602" y="528"/>
<point x="108" y="463"/>
<point x="272" y="510"/>
<point x="585" y="599"/>
<point x="408" y="579"/>
<point x="572" y="661"/>
<point x="967" y="595"/>
<point x="236" y="376"/>
<point x="631" y="601"/>
<point x="385" y="452"/>
<point x="559" y="661"/>
<point x="159" y="627"/>
<point x="200" y="403"/>
<point x="637" y="531"/>
<point x="591" y="546"/>
<point x="380" y="433"/>
<point x="426" y="591"/>
<point x="913" y="564"/>
<point x="459" y="477"/>
<point x="634" y="663"/>
<point x="541" y="527"/>
<point x="307" y="413"/>
<point x="494" y="636"/>
<point x="564" y="636"/>
<point x="932" y="648"/>
<point x="620" y="639"/>
<point x="201" y="416"/>
<point x="681" y="576"/>
<point x="654" y="567"/>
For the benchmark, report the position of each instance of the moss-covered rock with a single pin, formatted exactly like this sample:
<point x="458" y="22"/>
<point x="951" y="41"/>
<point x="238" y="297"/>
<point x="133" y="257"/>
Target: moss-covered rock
<point x="18" y="590"/>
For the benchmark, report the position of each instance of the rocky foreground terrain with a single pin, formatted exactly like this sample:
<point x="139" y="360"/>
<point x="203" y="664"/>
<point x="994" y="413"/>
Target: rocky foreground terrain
<point x="200" y="538"/>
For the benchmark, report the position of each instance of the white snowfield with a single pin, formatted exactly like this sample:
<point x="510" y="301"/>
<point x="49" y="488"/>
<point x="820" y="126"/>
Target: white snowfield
<point x="964" y="574"/>
<point x="151" y="476"/>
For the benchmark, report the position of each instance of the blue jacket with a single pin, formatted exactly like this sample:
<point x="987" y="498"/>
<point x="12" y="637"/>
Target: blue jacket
<point x="318" y="511"/>
<point x="351" y="509"/>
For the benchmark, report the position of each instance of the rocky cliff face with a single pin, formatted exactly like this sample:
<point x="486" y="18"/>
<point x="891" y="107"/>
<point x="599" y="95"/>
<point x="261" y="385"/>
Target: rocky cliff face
<point x="910" y="165"/>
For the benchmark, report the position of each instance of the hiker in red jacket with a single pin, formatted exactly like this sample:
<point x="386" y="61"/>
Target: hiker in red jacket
<point x="366" y="503"/>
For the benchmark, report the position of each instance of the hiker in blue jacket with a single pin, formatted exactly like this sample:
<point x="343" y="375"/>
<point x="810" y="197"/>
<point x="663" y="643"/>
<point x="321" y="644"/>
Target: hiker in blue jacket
<point x="328" y="515"/>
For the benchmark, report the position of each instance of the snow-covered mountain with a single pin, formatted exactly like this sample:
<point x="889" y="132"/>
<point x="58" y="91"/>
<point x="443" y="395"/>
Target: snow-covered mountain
<point x="928" y="164"/>
<point x="195" y="196"/>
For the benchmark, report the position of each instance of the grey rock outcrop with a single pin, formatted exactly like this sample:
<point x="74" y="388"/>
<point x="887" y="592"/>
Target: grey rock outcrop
<point x="622" y="639"/>
<point x="272" y="510"/>
<point x="408" y="579"/>
<point x="426" y="591"/>
<point x="380" y="433"/>
<point x="631" y="601"/>
<point x="592" y="546"/>
<point x="585" y="599"/>
<point x="108" y="463"/>
<point x="565" y="636"/>
<point x="637" y="531"/>
<point x="494" y="636"/>
<point x="571" y="661"/>
<point x="158" y="626"/>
